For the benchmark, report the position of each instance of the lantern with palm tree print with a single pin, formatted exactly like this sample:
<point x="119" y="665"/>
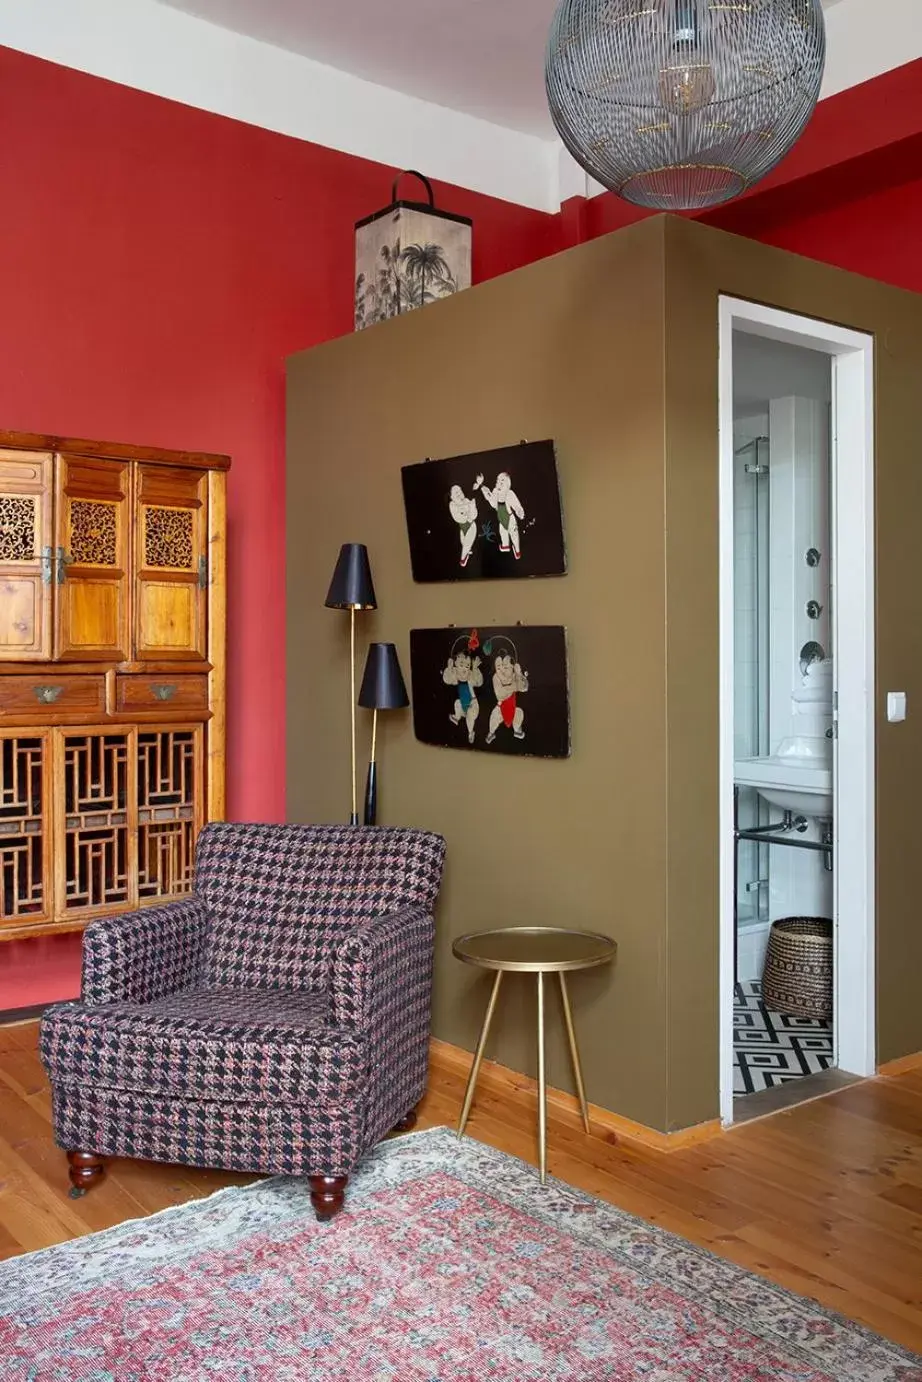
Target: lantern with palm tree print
<point x="407" y="255"/>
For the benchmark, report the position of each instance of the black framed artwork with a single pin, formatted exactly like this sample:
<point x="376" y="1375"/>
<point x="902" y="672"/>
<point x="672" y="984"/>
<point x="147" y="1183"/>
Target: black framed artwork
<point x="489" y="515"/>
<point x="499" y="690"/>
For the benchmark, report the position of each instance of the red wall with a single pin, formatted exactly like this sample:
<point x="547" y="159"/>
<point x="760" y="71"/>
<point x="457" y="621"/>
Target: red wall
<point x="157" y="265"/>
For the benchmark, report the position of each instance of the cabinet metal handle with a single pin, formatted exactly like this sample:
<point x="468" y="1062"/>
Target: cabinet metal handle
<point x="46" y="565"/>
<point x="164" y="692"/>
<point x="48" y="694"/>
<point x="64" y="560"/>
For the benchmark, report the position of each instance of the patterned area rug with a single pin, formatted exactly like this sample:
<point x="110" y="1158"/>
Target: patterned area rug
<point x="770" y="1049"/>
<point x="451" y="1264"/>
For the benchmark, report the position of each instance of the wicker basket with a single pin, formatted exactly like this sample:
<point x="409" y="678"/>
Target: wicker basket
<point x="797" y="980"/>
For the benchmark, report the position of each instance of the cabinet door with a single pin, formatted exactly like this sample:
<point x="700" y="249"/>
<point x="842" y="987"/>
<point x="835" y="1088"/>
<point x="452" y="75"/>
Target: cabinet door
<point x="95" y="821"/>
<point x="26" y="897"/>
<point x="25" y="556"/>
<point x="171" y="563"/>
<point x="91" y="559"/>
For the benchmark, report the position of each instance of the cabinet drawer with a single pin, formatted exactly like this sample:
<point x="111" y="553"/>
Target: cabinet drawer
<point x="52" y="697"/>
<point x="162" y="695"/>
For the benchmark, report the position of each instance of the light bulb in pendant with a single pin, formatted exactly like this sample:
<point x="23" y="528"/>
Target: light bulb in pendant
<point x="686" y="85"/>
<point x="686" y="81"/>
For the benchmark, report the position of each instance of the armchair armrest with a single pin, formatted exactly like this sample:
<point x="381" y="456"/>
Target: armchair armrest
<point x="140" y="956"/>
<point x="381" y="987"/>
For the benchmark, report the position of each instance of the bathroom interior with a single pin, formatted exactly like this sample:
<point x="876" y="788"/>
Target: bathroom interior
<point x="783" y="723"/>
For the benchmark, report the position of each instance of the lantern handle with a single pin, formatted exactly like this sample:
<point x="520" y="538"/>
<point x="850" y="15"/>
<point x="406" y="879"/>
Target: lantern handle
<point x="412" y="173"/>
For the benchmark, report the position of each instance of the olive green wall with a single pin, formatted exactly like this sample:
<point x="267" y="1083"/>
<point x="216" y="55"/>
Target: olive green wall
<point x="702" y="263"/>
<point x="569" y="348"/>
<point x="611" y="349"/>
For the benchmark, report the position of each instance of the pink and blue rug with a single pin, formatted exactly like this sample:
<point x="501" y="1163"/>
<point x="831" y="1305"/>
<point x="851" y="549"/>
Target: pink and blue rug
<point x="450" y="1264"/>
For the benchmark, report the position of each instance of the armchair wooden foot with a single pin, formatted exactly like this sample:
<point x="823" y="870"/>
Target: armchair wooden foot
<point x="406" y="1123"/>
<point x="327" y="1195"/>
<point x="85" y="1168"/>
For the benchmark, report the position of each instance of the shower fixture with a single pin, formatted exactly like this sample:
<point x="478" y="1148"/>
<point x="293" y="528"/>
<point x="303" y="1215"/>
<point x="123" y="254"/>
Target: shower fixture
<point x="811" y="652"/>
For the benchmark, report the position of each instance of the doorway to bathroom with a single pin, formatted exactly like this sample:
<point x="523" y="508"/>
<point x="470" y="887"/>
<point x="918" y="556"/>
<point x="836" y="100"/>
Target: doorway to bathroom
<point x="797" y="727"/>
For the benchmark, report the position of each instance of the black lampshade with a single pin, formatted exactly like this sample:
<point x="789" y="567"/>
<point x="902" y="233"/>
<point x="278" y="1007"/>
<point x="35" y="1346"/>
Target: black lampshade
<point x="383" y="685"/>
<point x="352" y="586"/>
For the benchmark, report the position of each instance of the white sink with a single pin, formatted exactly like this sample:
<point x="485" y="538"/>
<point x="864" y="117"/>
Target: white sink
<point x="792" y="782"/>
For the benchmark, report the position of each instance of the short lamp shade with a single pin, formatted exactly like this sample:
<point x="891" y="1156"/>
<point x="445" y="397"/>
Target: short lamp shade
<point x="352" y="586"/>
<point x="383" y="687"/>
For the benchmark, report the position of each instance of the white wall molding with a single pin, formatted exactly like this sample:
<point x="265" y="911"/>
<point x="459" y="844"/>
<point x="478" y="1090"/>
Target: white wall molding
<point x="155" y="48"/>
<point x="865" y="38"/>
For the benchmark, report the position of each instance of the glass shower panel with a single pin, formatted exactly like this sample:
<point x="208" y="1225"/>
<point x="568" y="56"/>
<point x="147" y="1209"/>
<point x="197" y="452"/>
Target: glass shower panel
<point x="751" y="671"/>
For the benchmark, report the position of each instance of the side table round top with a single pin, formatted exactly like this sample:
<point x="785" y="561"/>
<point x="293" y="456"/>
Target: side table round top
<point x="534" y="949"/>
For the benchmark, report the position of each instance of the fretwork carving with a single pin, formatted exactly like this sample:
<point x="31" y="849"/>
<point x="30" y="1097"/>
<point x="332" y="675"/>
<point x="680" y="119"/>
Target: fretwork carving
<point x="22" y="864"/>
<point x="168" y="539"/>
<point x="17" y="528"/>
<point x="93" y="533"/>
<point x="166" y="811"/>
<point x="96" y="820"/>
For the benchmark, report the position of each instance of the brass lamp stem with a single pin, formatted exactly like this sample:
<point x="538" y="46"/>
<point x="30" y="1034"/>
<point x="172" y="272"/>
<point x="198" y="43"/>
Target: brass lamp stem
<point x="374" y="731"/>
<point x="355" y="814"/>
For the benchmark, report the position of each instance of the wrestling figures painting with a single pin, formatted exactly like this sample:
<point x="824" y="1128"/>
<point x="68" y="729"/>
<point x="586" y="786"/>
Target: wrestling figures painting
<point x="500" y="690"/>
<point x="490" y="515"/>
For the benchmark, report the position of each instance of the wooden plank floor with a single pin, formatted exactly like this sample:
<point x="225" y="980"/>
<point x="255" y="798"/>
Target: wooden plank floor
<point x="825" y="1198"/>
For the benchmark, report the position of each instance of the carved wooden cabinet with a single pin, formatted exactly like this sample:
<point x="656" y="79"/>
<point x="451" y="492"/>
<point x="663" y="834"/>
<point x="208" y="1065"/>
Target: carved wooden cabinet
<point x="112" y="675"/>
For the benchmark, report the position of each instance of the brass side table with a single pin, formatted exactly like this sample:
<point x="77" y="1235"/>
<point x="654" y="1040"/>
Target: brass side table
<point x="537" y="950"/>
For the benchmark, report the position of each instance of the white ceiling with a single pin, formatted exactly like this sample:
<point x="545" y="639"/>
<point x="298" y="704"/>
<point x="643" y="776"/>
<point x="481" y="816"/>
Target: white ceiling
<point x="483" y="57"/>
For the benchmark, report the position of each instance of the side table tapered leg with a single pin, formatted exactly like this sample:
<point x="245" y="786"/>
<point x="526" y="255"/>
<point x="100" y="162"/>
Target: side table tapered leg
<point x="542" y="1085"/>
<point x="478" y="1054"/>
<point x="574" y="1050"/>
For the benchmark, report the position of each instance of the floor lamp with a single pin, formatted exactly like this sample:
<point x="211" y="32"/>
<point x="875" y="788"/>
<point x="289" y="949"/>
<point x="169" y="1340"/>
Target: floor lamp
<point x="383" y="688"/>
<point x="353" y="589"/>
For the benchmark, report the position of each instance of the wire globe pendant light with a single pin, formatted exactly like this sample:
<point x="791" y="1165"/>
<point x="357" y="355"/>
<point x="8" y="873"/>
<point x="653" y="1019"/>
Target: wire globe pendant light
<point x="680" y="104"/>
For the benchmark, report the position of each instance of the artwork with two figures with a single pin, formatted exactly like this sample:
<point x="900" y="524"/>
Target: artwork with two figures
<point x="487" y="515"/>
<point x="500" y="690"/>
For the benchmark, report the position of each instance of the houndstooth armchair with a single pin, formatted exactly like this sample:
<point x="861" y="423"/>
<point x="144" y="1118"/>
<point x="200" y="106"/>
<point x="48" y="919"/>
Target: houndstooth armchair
<point x="277" y="1020"/>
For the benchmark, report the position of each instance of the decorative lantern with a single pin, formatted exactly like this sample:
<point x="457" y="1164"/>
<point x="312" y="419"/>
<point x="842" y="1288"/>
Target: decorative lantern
<point x="407" y="255"/>
<point x="683" y="103"/>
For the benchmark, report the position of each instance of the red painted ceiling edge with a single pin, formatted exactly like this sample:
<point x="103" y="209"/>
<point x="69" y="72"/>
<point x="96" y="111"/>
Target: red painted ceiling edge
<point x="881" y="111"/>
<point x="865" y="137"/>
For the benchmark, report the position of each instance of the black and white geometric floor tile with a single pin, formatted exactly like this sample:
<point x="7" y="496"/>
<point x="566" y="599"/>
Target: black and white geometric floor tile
<point x="770" y="1049"/>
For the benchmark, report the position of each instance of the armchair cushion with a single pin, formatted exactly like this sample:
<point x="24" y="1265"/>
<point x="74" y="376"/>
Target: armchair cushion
<point x="249" y="1046"/>
<point x="140" y="956"/>
<point x="280" y="897"/>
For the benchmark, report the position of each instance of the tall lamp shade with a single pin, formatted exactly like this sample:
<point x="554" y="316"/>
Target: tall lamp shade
<point x="353" y="589"/>
<point x="383" y="688"/>
<point x="352" y="586"/>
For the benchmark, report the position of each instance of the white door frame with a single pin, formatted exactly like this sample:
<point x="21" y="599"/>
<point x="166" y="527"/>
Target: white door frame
<point x="852" y="457"/>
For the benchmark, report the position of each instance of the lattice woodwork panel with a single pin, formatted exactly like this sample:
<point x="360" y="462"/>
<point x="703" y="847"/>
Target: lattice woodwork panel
<point x="23" y="885"/>
<point x="96" y="821"/>
<point x="168" y="539"/>
<point x="93" y="533"/>
<point x="17" y="527"/>
<point x="166" y="811"/>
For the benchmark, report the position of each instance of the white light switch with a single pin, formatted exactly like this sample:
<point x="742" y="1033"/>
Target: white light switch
<point x="896" y="705"/>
